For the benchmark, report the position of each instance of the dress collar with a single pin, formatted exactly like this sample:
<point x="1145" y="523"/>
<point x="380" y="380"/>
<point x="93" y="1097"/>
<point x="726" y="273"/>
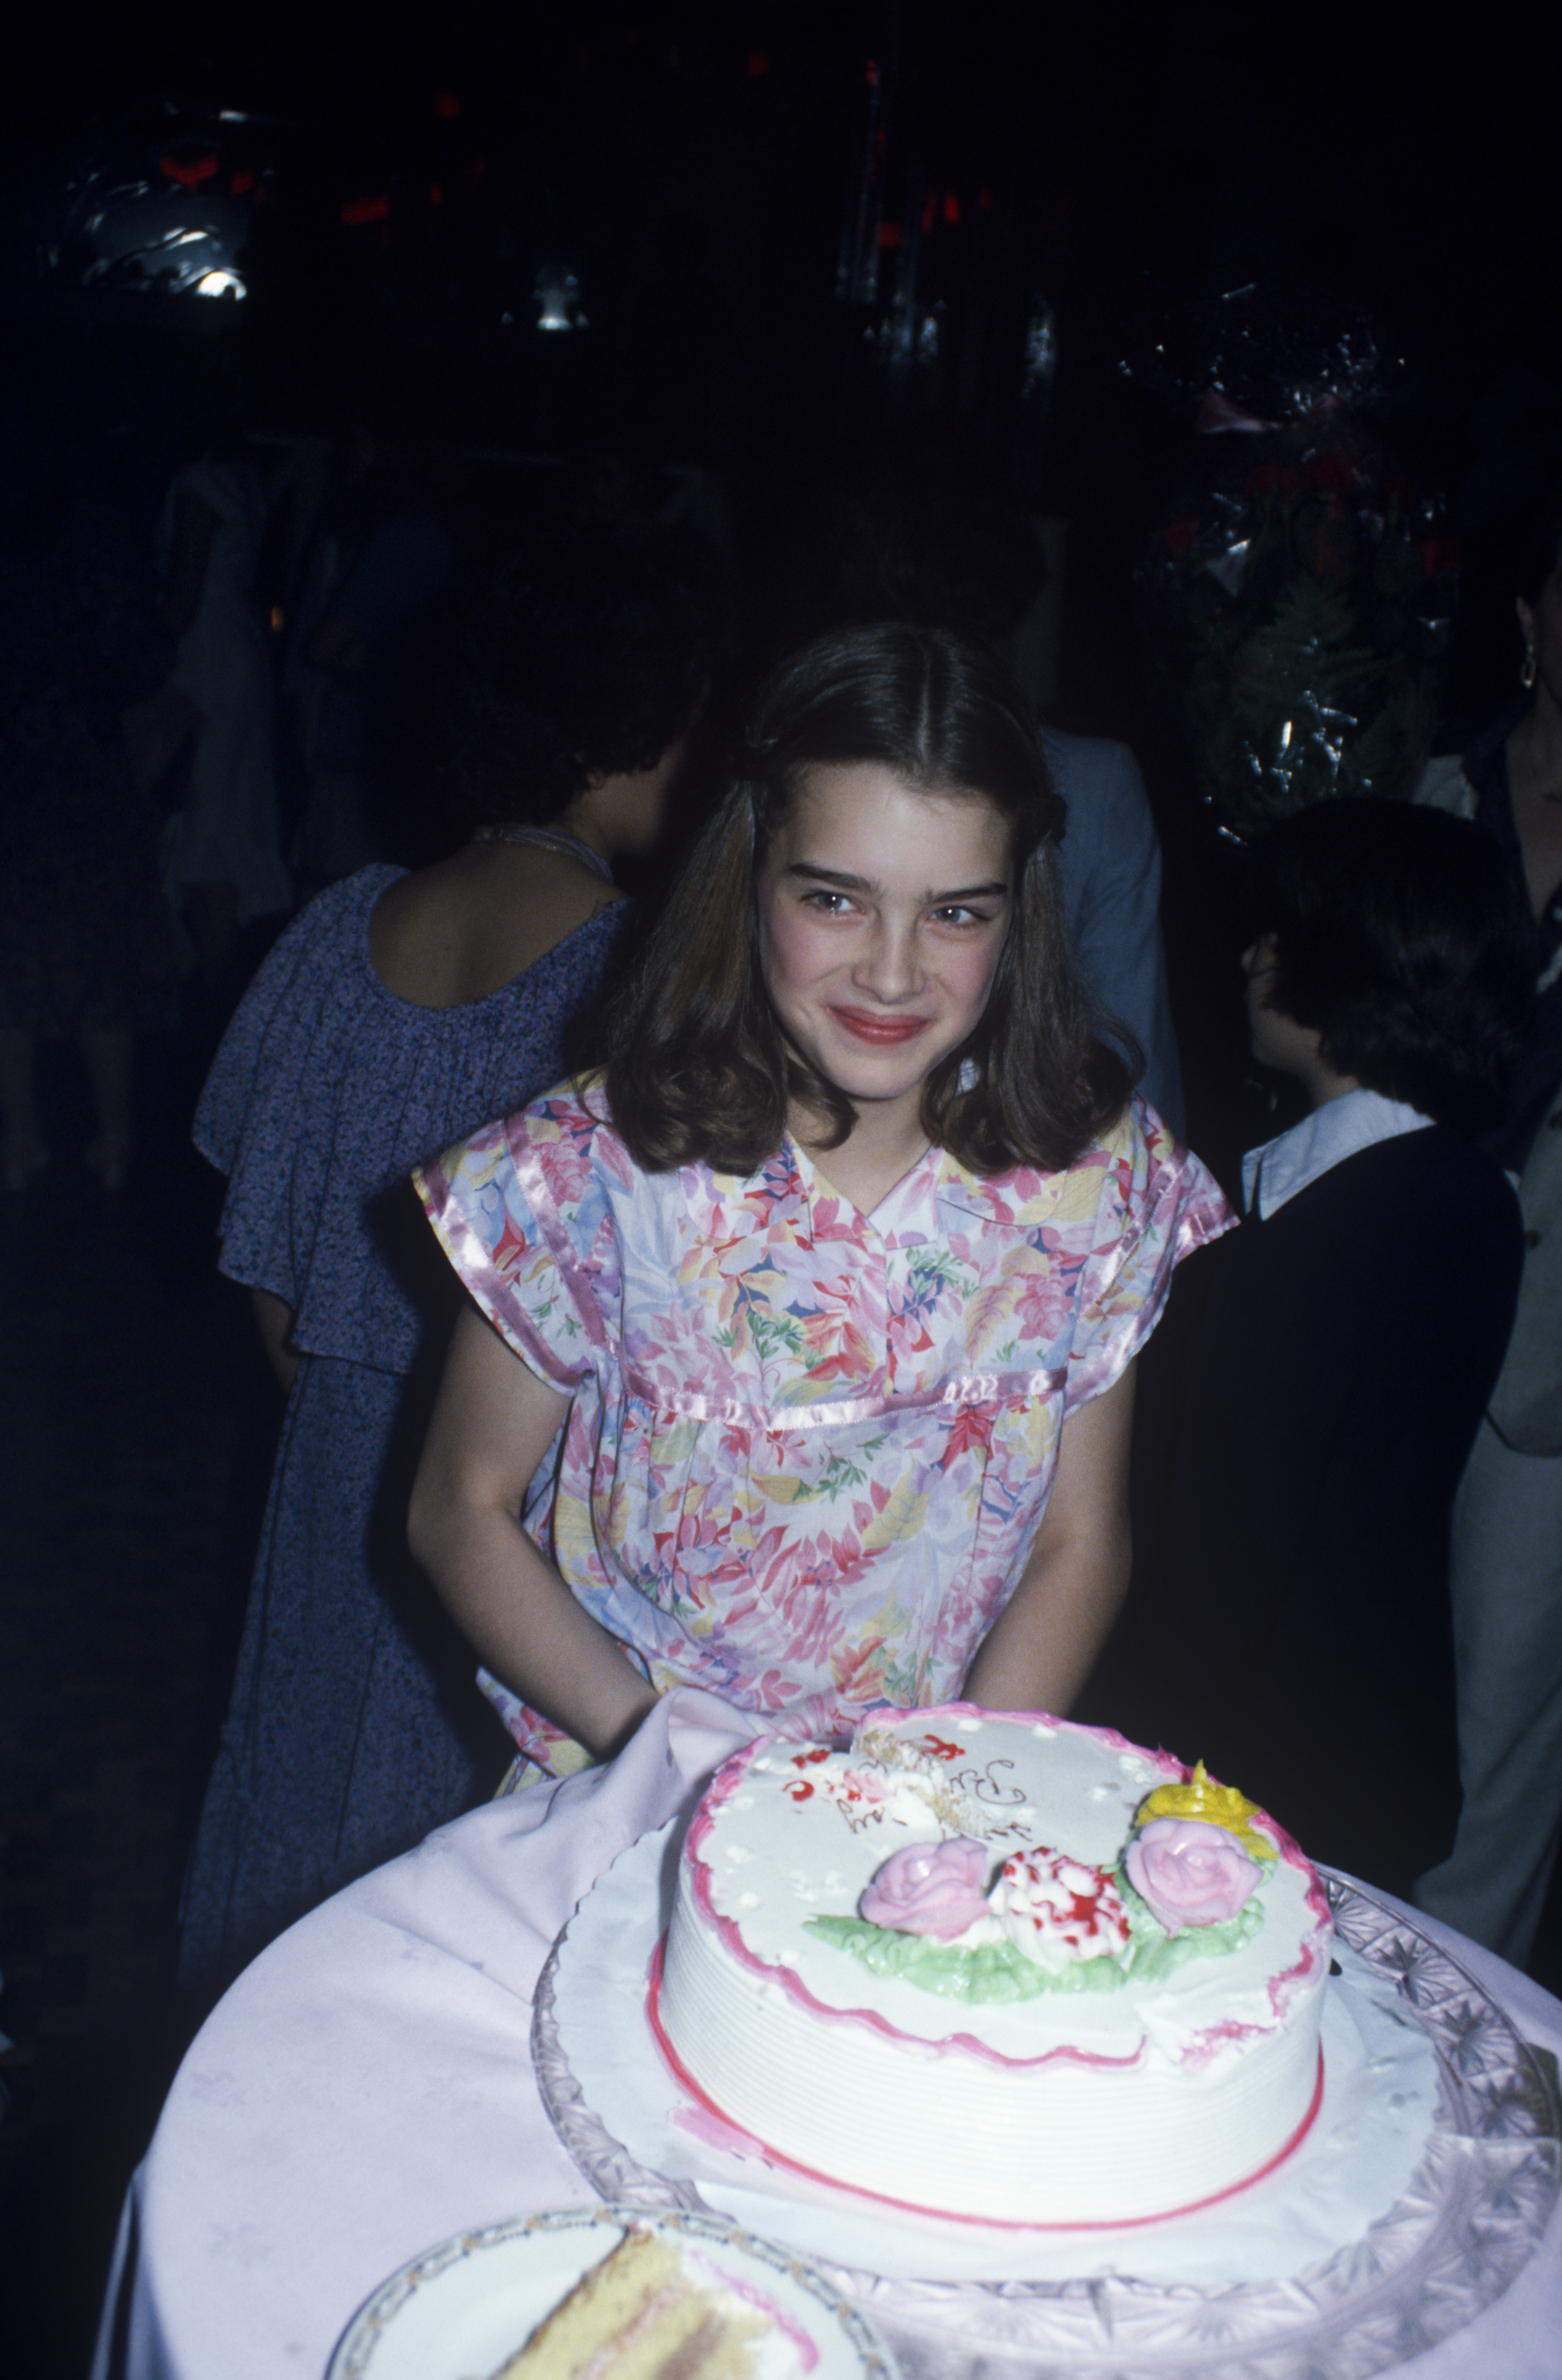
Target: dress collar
<point x="789" y="1183"/>
<point x="1340" y="1128"/>
<point x="907" y="1206"/>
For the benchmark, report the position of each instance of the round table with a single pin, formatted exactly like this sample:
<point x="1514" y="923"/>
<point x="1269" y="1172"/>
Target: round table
<point x="366" y="2089"/>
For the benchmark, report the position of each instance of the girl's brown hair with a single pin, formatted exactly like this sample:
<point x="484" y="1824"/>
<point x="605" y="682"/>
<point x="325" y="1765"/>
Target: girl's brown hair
<point x="700" y="1068"/>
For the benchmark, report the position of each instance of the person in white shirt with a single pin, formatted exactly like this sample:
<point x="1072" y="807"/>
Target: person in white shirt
<point x="1309" y="1414"/>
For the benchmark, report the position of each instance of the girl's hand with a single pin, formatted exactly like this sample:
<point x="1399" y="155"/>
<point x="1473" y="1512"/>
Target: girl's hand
<point x="1043" y="1643"/>
<point x="493" y="1422"/>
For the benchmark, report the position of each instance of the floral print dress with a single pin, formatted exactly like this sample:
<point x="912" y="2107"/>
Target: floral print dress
<point x="807" y="1449"/>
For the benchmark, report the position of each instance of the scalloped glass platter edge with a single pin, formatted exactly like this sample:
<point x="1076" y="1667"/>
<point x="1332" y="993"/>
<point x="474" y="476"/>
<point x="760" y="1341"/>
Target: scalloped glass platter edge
<point x="1456" y="2240"/>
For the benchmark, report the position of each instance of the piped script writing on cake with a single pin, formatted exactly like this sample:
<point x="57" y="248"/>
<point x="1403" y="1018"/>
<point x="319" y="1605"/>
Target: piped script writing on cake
<point x="1046" y="1922"/>
<point x="998" y="1966"/>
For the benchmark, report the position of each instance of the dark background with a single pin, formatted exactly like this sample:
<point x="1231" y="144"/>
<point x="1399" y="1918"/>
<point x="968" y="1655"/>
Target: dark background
<point x="906" y="238"/>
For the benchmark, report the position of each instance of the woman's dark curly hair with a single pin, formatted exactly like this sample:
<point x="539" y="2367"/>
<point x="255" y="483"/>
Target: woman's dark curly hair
<point x="1402" y="938"/>
<point x="700" y="1070"/>
<point x="588" y="654"/>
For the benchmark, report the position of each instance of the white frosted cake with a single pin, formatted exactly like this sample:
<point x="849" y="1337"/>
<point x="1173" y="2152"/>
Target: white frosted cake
<point x="998" y="1966"/>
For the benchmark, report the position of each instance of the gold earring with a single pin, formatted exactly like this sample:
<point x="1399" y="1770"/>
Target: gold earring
<point x="1527" y="667"/>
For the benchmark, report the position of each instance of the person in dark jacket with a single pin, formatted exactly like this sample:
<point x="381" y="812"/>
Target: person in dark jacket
<point x="1323" y="1372"/>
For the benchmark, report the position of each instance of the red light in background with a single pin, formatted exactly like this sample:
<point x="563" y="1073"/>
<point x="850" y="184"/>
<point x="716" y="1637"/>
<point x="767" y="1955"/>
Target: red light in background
<point x="190" y="171"/>
<point x="929" y="209"/>
<point x="888" y="234"/>
<point x="366" y="211"/>
<point x="447" y="105"/>
<point x="758" y="62"/>
<point x="436" y="194"/>
<point x="240" y="182"/>
<point x="952" y="207"/>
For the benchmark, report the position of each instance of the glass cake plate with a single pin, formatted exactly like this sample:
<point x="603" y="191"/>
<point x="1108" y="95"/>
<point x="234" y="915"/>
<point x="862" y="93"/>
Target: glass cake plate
<point x="1420" y="2193"/>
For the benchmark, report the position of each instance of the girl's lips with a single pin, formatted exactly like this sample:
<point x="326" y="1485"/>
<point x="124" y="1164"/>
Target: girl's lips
<point x="884" y="1032"/>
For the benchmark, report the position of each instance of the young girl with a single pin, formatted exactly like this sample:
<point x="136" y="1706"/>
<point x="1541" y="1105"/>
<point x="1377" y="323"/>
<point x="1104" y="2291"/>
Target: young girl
<point x="826" y="1295"/>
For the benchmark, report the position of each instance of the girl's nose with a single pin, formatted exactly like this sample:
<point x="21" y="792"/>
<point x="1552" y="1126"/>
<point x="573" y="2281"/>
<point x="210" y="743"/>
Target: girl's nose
<point x="888" y="966"/>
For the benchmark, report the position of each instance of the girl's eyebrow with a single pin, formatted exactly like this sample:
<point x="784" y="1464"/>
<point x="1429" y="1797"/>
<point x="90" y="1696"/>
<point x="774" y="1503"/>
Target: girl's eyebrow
<point x="844" y="883"/>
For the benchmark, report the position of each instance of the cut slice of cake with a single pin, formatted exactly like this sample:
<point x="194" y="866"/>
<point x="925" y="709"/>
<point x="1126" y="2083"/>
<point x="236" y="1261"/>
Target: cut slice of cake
<point x="642" y="2313"/>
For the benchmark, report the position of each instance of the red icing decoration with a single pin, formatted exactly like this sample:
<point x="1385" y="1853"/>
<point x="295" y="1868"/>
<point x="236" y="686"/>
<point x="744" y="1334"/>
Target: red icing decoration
<point x="1094" y="1912"/>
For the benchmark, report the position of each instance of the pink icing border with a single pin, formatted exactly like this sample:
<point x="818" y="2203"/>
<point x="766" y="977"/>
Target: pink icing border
<point x="702" y="2098"/>
<point x="1200" y="2048"/>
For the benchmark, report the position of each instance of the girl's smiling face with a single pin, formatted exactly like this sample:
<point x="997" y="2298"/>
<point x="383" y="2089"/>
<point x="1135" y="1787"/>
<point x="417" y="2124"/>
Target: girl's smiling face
<point x="883" y="913"/>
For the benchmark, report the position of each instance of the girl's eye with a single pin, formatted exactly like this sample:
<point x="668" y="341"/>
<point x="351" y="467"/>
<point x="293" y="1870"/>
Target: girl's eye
<point x="957" y="914"/>
<point x="833" y="904"/>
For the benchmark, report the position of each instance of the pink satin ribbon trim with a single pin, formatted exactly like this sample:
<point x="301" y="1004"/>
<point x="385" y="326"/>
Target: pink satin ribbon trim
<point x="976" y="1392"/>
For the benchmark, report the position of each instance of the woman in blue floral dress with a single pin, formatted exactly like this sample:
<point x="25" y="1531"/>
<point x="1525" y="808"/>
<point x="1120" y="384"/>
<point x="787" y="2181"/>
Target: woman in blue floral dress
<point x="396" y="1011"/>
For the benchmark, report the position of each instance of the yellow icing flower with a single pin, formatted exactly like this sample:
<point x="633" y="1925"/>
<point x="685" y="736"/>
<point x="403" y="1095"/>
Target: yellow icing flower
<point x="1218" y="1805"/>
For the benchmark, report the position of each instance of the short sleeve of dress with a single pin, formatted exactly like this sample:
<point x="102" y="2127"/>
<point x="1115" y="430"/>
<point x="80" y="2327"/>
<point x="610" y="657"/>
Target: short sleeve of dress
<point x="1157" y="1204"/>
<point x="521" y="1211"/>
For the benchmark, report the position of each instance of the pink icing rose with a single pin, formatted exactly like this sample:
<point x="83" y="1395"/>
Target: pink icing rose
<point x="1189" y="1873"/>
<point x="935" y="1888"/>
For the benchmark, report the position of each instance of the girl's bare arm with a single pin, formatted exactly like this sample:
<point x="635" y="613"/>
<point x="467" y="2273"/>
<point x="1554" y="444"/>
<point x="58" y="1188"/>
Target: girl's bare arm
<point x="1043" y="1645"/>
<point x="493" y="1422"/>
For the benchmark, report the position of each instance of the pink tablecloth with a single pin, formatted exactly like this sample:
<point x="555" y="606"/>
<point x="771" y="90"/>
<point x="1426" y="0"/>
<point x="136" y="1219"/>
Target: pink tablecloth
<point x="365" y="2089"/>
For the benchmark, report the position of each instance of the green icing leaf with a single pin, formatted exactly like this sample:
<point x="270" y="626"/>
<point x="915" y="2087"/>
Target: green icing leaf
<point x="993" y="1973"/>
